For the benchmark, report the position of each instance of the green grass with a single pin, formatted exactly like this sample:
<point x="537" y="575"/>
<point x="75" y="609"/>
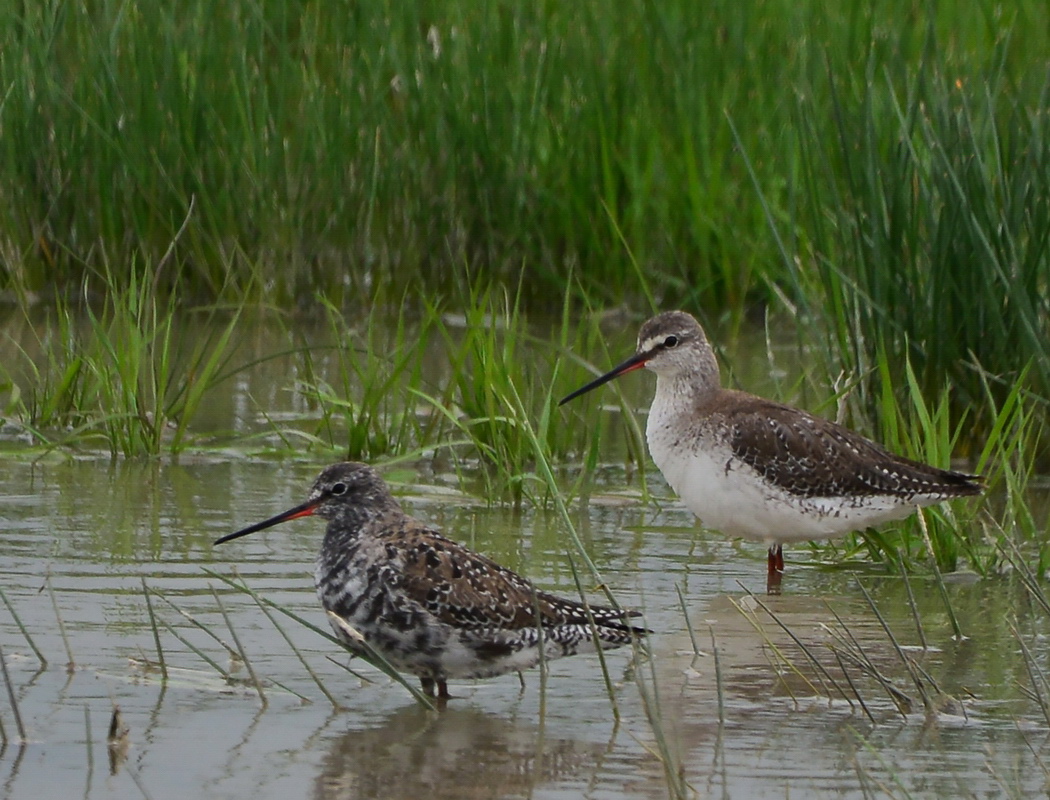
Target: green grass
<point x="921" y="224"/>
<point x="722" y="154"/>
<point x="358" y="387"/>
<point x="881" y="172"/>
<point x="458" y="193"/>
<point x="120" y="372"/>
<point x="134" y="375"/>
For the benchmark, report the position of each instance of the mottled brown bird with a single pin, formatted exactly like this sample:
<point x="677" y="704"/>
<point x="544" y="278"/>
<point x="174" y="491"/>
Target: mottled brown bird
<point x="427" y="604"/>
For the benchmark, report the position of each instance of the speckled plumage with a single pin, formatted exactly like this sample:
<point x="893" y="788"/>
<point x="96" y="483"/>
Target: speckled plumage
<point x="763" y="470"/>
<point x="427" y="604"/>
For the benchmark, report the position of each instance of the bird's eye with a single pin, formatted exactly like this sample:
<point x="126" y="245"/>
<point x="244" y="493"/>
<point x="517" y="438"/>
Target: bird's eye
<point x="671" y="341"/>
<point x="338" y="488"/>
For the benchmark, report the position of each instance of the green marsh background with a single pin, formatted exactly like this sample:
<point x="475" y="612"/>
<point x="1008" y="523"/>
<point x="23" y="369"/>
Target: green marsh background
<point x="884" y="165"/>
<point x="868" y="183"/>
<point x="292" y="231"/>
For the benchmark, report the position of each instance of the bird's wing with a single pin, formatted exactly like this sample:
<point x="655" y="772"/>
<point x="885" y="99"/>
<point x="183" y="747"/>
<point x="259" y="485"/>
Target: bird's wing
<point x="468" y="590"/>
<point x="814" y="457"/>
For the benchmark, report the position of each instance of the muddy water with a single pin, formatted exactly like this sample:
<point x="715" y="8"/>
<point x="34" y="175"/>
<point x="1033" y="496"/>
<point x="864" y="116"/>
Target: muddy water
<point x="741" y="695"/>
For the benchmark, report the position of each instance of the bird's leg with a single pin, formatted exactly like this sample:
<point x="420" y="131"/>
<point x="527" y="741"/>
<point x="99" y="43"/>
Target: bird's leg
<point x="442" y="695"/>
<point x="775" y="569"/>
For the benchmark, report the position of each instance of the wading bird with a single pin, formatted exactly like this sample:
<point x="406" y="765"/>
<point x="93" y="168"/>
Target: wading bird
<point x="428" y="605"/>
<point x="763" y="470"/>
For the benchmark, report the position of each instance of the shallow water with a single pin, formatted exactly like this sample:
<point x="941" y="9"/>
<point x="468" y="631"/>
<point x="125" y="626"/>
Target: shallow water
<point x="757" y="719"/>
<point x="96" y="531"/>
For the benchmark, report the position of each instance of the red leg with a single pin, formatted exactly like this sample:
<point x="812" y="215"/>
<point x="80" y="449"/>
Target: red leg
<point x="775" y="569"/>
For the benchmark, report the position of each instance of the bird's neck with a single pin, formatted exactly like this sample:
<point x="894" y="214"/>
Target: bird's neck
<point x="685" y="389"/>
<point x="344" y="532"/>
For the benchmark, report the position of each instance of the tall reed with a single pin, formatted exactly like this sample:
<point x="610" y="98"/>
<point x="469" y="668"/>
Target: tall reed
<point x="343" y="147"/>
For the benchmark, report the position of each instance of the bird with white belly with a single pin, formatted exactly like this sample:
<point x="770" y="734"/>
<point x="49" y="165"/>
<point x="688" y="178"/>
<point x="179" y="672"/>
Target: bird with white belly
<point x="763" y="470"/>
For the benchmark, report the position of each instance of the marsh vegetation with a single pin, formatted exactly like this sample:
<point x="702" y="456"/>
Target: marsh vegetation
<point x="300" y="232"/>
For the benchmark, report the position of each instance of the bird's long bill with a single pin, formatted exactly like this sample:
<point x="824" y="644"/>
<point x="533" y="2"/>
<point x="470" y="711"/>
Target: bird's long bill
<point x="305" y="510"/>
<point x="636" y="361"/>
